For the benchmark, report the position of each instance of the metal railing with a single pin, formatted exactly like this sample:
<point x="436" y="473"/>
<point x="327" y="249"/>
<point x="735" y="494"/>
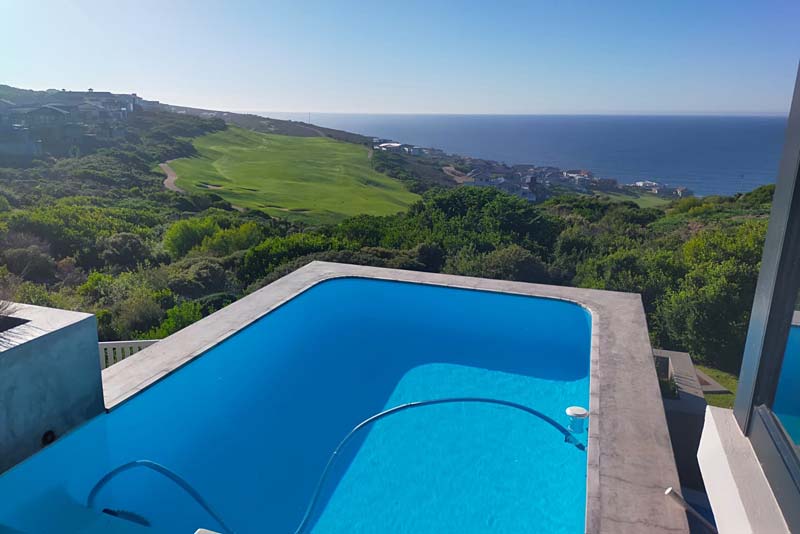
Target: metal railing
<point x="112" y="352"/>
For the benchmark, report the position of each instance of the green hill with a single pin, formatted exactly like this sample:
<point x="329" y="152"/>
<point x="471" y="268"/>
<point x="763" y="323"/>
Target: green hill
<point x="313" y="179"/>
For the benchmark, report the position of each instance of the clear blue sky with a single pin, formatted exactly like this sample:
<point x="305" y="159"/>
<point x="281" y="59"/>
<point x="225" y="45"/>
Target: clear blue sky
<point x="565" y="56"/>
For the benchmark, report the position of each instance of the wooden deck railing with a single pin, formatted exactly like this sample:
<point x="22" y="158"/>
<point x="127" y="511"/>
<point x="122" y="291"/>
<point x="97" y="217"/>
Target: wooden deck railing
<point x="112" y="352"/>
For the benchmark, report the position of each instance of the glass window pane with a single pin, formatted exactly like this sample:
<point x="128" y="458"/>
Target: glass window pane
<point x="787" y="396"/>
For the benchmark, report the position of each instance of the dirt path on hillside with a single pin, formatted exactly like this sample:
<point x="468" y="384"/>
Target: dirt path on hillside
<point x="169" y="181"/>
<point x="456" y="175"/>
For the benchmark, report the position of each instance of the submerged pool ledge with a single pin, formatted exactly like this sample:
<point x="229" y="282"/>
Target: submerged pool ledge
<point x="629" y="458"/>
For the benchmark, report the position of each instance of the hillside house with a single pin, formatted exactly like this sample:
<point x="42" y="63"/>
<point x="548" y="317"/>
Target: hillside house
<point x="47" y="115"/>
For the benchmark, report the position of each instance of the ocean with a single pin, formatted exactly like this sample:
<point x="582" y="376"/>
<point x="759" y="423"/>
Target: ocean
<point x="711" y="155"/>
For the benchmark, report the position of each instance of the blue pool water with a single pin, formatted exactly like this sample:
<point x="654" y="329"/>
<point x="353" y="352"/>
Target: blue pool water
<point x="252" y="422"/>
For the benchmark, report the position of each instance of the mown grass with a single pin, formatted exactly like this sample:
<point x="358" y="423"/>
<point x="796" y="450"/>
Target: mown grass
<point x="312" y="179"/>
<point x="727" y="380"/>
<point x="643" y="200"/>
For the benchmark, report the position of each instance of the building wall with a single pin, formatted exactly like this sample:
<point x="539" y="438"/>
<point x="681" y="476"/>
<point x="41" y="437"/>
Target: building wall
<point x="49" y="379"/>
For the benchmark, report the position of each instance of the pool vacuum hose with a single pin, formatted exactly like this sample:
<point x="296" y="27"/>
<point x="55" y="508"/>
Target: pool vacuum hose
<point x="306" y="521"/>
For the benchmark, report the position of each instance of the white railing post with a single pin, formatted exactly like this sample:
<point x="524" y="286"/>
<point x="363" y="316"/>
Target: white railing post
<point x="112" y="352"/>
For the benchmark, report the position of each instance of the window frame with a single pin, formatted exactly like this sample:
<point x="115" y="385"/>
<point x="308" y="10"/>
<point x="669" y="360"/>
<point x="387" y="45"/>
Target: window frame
<point x="768" y="331"/>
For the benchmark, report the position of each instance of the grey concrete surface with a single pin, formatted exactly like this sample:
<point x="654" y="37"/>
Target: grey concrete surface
<point x="49" y="378"/>
<point x="629" y="458"/>
<point x="708" y="384"/>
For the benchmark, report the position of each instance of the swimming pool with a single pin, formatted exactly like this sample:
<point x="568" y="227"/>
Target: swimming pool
<point x="252" y="422"/>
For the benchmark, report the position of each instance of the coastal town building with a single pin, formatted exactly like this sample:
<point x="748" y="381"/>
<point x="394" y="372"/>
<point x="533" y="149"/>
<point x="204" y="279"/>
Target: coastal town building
<point x="63" y="122"/>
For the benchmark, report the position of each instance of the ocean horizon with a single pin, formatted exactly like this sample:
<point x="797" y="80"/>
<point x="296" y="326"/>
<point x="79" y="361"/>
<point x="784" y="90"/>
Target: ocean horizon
<point x="709" y="154"/>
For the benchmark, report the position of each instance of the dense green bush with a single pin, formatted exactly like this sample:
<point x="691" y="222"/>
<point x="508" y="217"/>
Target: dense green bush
<point x="138" y="313"/>
<point x="273" y="251"/>
<point x="507" y="263"/>
<point x="708" y="310"/>
<point x="187" y="234"/>
<point x="30" y="263"/>
<point x="178" y="317"/>
<point x="193" y="278"/>
<point x="124" y="251"/>
<point x="227" y="241"/>
<point x="76" y="228"/>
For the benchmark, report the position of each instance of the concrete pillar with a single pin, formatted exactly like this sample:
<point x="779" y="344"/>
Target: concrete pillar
<point x="50" y="379"/>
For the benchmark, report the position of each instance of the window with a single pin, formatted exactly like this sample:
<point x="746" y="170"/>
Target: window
<point x="768" y="401"/>
<point x="786" y="404"/>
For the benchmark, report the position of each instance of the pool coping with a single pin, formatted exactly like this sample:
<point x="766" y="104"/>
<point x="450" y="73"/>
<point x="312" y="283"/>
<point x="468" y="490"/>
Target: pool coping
<point x="629" y="458"/>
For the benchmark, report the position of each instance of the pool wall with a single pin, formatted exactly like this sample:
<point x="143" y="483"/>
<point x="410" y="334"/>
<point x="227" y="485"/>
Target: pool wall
<point x="629" y="458"/>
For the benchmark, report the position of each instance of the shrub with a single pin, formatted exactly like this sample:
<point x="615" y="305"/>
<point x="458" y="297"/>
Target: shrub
<point x="429" y="256"/>
<point x="273" y="251"/>
<point x="187" y="234"/>
<point x="137" y="314"/>
<point x="685" y="204"/>
<point x="124" y="250"/>
<point x="508" y="263"/>
<point x="30" y="263"/>
<point x="96" y="286"/>
<point x="708" y="314"/>
<point x="195" y="278"/>
<point x="513" y="263"/>
<point x="178" y="317"/>
<point x="756" y="197"/>
<point x="230" y="240"/>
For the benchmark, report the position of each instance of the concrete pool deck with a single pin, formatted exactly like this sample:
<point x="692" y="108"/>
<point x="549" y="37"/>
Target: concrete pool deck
<point x="629" y="459"/>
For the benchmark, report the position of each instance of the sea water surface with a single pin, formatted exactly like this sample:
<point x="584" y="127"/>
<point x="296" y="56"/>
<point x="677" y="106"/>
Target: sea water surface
<point x="711" y="155"/>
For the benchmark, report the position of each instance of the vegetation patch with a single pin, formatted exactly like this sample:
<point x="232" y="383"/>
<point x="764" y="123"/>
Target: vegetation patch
<point x="643" y="200"/>
<point x="318" y="180"/>
<point x="100" y="233"/>
<point x="726" y="380"/>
